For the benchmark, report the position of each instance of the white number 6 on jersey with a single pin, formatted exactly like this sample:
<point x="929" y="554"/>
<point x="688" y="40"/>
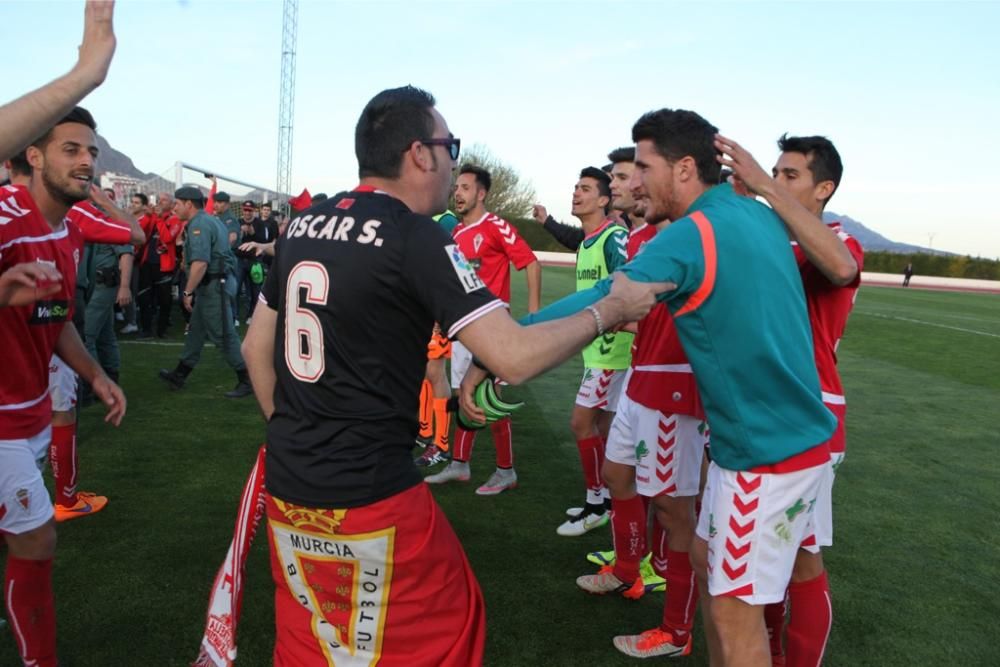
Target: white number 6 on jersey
<point x="303" y="330"/>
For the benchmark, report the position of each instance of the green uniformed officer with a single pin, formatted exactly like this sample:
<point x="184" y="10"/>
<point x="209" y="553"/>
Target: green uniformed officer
<point x="225" y="214"/>
<point x="207" y="261"/>
<point x="108" y="271"/>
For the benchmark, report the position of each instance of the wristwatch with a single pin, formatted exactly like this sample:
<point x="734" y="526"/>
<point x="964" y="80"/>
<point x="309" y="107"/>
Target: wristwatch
<point x="187" y="293"/>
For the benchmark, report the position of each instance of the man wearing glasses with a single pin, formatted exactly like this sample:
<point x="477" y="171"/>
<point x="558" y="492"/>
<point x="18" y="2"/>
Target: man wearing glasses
<point x="336" y="353"/>
<point x="491" y="244"/>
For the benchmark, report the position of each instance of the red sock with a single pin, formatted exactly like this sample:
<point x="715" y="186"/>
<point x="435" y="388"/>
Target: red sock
<point x="681" y="596"/>
<point x="31" y="609"/>
<point x="592" y="456"/>
<point x="62" y="453"/>
<point x="658" y="545"/>
<point x="774" y="619"/>
<point x="463" y="444"/>
<point x="810" y="622"/>
<point x="628" y="527"/>
<point x="504" y="442"/>
<point x="426" y="415"/>
<point x="442" y="421"/>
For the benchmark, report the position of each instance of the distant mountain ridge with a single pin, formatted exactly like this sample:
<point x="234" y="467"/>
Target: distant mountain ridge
<point x="110" y="159"/>
<point x="872" y="240"/>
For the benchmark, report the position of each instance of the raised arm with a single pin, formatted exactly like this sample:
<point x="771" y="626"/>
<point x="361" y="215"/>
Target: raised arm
<point x="819" y="243"/>
<point x="99" y="197"/>
<point x="31" y="115"/>
<point x="568" y="236"/>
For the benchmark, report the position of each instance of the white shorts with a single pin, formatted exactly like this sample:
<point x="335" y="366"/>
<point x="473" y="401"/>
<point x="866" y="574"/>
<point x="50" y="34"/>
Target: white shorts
<point x="461" y="359"/>
<point x="754" y="524"/>
<point x="600" y="388"/>
<point x="665" y="449"/>
<point x="62" y="385"/>
<point x="822" y="534"/>
<point x="24" y="500"/>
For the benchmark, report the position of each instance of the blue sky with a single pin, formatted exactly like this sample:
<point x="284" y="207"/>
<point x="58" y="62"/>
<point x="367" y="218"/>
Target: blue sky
<point x="909" y="92"/>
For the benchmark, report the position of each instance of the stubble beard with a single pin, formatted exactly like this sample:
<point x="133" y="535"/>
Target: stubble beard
<point x="61" y="192"/>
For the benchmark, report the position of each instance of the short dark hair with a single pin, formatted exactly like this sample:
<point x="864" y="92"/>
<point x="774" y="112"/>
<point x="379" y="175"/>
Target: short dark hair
<point x="141" y="197"/>
<point x="623" y="154"/>
<point x="678" y="133"/>
<point x="483" y="177"/>
<point x="319" y="196"/>
<point x="388" y="126"/>
<point x="76" y="115"/>
<point x="821" y="155"/>
<point x="724" y="175"/>
<point x="19" y="164"/>
<point x="599" y="175"/>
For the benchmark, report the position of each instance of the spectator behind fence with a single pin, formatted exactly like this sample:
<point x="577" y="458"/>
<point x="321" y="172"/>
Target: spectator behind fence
<point x="249" y="269"/>
<point x="157" y="264"/>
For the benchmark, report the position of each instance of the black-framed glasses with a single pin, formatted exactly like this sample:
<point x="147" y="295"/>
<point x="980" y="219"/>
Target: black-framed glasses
<point x="453" y="144"/>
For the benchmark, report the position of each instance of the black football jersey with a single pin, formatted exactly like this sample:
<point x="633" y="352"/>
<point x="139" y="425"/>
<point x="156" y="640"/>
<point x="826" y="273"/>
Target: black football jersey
<point x="358" y="282"/>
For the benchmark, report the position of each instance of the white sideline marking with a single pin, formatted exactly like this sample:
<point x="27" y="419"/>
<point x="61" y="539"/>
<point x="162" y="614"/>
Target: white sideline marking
<point x="930" y="324"/>
<point x="953" y="316"/>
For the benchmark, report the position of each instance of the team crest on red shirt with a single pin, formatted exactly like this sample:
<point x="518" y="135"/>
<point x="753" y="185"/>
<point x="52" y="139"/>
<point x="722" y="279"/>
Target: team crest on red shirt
<point x="477" y="242"/>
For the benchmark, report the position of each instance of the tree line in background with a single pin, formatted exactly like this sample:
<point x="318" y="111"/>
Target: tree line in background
<point x="949" y="266"/>
<point x="511" y="197"/>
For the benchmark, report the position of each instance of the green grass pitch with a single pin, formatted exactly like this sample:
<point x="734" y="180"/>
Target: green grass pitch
<point x="914" y="572"/>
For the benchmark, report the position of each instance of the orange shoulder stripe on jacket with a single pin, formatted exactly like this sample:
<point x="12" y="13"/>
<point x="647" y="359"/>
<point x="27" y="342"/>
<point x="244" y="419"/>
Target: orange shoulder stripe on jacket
<point x="708" y="250"/>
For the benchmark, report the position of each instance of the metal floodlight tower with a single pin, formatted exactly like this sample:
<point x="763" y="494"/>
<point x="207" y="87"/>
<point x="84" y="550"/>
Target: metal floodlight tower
<point x="286" y="100"/>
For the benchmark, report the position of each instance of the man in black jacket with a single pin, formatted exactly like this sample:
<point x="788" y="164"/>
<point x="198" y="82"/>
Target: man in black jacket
<point x="251" y="229"/>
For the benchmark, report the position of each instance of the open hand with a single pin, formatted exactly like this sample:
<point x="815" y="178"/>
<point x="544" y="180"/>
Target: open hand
<point x="98" y="45"/>
<point x="112" y="397"/>
<point x="745" y="167"/>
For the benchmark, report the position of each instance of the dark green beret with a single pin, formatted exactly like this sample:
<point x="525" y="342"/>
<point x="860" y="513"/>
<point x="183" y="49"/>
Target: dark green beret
<point x="189" y="193"/>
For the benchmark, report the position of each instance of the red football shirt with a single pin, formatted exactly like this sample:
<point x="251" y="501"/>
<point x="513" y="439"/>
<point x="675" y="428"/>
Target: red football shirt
<point x="28" y="334"/>
<point x="490" y="245"/>
<point x="661" y="375"/>
<point x="829" y="306"/>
